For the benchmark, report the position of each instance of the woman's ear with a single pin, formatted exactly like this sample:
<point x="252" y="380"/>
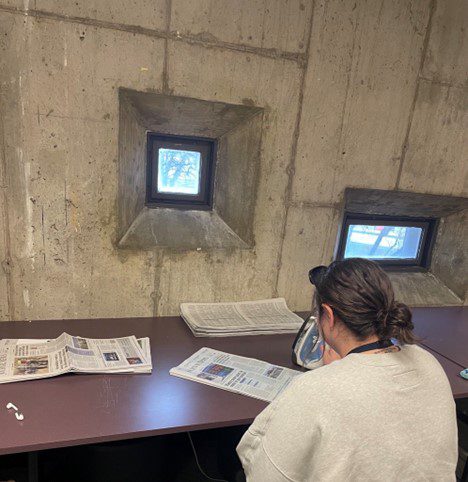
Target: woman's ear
<point x="329" y="316"/>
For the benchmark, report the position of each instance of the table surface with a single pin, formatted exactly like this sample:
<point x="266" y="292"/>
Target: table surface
<point x="445" y="331"/>
<point x="78" y="409"/>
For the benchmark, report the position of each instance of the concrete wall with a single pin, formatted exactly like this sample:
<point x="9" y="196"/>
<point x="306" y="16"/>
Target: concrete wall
<point x="355" y="93"/>
<point x="450" y="254"/>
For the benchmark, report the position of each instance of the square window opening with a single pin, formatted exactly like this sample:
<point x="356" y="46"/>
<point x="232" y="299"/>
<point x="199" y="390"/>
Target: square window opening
<point x="388" y="240"/>
<point x="180" y="171"/>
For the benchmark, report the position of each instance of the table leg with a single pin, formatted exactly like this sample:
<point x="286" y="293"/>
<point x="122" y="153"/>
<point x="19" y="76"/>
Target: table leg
<point x="33" y="468"/>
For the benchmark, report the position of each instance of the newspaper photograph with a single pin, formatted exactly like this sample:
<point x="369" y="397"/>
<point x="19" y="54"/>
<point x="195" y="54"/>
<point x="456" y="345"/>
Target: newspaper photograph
<point x="238" y="374"/>
<point x="240" y="318"/>
<point x="22" y="359"/>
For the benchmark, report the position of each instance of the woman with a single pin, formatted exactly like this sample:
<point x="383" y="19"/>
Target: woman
<point x="375" y="411"/>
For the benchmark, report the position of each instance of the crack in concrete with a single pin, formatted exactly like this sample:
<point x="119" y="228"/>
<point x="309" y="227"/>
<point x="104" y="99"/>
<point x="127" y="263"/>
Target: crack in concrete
<point x="442" y="83"/>
<point x="6" y="224"/>
<point x="69" y="117"/>
<point x="405" y="146"/>
<point x="345" y="106"/>
<point x="65" y="202"/>
<point x="273" y="53"/>
<point x="313" y="204"/>
<point x="290" y="169"/>
<point x="43" y="235"/>
<point x="158" y="259"/>
<point x="165" y="73"/>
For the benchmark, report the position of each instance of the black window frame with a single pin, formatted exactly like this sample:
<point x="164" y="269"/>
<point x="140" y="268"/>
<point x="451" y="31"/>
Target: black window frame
<point x="429" y="226"/>
<point x="207" y="149"/>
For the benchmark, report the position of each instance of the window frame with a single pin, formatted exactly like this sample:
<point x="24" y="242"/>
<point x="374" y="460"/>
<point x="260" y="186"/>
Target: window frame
<point x="428" y="225"/>
<point x="205" y="146"/>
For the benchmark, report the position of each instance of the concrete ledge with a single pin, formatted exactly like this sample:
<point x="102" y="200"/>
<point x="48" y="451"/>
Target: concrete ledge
<point x="422" y="289"/>
<point x="180" y="229"/>
<point x="402" y="203"/>
<point x="184" y="116"/>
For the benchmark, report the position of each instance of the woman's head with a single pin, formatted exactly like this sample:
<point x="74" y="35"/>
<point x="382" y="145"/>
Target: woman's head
<point x="358" y="293"/>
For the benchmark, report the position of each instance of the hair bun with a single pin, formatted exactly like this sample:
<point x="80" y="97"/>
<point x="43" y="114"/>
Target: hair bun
<point x="317" y="274"/>
<point x="399" y="322"/>
<point x="400" y="314"/>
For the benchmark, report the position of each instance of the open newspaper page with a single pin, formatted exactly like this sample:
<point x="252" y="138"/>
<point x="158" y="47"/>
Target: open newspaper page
<point x="22" y="359"/>
<point x="238" y="374"/>
<point x="240" y="318"/>
<point x="34" y="359"/>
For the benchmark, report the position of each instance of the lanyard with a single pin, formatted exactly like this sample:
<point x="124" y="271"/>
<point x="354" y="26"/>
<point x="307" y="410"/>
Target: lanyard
<point x="372" y="346"/>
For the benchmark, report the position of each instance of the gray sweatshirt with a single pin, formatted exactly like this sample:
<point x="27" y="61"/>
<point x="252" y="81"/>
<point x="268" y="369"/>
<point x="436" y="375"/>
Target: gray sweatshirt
<point x="368" y="417"/>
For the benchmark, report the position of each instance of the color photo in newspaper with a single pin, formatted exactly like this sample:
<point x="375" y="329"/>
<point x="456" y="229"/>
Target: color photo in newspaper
<point x="246" y="376"/>
<point x="31" y="359"/>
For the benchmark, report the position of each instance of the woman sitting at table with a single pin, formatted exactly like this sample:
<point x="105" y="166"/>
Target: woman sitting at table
<point x="376" y="411"/>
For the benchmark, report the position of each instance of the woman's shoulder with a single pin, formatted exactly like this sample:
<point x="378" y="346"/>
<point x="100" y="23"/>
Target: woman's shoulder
<point x="327" y="377"/>
<point x="417" y="355"/>
<point x="423" y="360"/>
<point x="357" y="370"/>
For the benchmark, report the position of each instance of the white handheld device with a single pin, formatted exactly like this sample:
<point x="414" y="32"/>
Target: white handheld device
<point x="308" y="347"/>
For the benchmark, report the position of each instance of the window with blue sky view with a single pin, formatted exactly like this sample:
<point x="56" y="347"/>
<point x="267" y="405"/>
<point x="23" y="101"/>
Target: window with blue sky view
<point x="383" y="242"/>
<point x="179" y="171"/>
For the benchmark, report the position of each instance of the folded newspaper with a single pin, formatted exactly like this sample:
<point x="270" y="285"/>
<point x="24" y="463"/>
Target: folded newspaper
<point x="238" y="374"/>
<point x="22" y="359"/>
<point x="264" y="317"/>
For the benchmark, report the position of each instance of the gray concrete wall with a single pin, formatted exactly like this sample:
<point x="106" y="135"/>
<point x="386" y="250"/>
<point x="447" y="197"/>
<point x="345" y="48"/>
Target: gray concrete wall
<point x="356" y="93"/>
<point x="449" y="261"/>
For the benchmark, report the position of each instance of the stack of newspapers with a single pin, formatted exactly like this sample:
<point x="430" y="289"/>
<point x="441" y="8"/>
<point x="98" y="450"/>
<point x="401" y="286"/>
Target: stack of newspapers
<point x="262" y="317"/>
<point x="22" y="359"/>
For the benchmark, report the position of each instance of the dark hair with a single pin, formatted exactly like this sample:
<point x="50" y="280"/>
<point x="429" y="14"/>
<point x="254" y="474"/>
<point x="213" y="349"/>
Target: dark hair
<point x="361" y="296"/>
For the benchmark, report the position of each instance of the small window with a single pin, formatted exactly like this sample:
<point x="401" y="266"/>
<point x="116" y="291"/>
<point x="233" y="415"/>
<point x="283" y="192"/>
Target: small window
<point x="391" y="241"/>
<point x="180" y="171"/>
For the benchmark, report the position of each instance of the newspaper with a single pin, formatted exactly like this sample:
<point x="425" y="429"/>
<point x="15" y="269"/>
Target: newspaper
<point x="242" y="318"/>
<point x="22" y="359"/>
<point x="238" y="374"/>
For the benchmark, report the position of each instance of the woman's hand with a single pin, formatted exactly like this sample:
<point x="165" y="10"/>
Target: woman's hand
<point x="330" y="355"/>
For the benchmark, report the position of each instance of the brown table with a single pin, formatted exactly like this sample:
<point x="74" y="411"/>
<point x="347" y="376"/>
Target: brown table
<point x="445" y="331"/>
<point x="459" y="385"/>
<point x="80" y="409"/>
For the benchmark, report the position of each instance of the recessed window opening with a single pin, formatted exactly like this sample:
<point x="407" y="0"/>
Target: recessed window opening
<point x="180" y="171"/>
<point x="389" y="240"/>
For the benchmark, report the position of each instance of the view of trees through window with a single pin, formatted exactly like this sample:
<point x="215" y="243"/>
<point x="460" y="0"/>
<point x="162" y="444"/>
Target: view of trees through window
<point x="178" y="171"/>
<point x="383" y="242"/>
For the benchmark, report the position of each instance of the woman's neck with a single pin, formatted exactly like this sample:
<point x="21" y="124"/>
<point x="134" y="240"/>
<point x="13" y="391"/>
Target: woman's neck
<point x="345" y="345"/>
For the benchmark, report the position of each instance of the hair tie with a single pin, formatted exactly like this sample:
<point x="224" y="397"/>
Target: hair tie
<point x="382" y="316"/>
